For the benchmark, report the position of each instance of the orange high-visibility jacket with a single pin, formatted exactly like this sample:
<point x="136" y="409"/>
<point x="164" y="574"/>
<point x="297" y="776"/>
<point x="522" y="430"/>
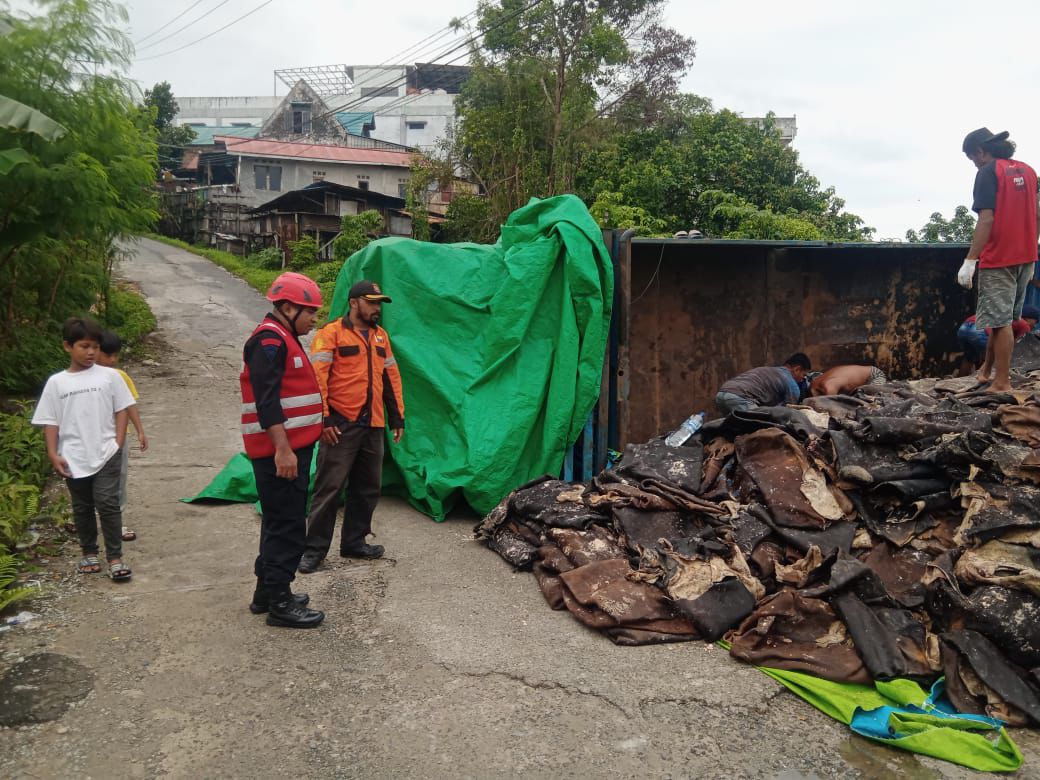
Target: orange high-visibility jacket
<point x="359" y="379"/>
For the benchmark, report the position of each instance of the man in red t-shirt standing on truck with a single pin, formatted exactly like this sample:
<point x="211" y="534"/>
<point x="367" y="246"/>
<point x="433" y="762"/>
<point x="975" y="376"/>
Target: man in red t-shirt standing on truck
<point x="1004" y="245"/>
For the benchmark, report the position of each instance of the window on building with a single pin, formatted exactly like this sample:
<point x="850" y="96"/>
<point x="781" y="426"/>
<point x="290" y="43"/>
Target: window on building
<point x="362" y="184"/>
<point x="298" y="118"/>
<point x="268" y="177"/>
<point x="241" y="124"/>
<point x="402" y="190"/>
<point x="415" y="125"/>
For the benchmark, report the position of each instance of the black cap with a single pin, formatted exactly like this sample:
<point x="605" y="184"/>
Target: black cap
<point x="977" y="138"/>
<point x="369" y="291"/>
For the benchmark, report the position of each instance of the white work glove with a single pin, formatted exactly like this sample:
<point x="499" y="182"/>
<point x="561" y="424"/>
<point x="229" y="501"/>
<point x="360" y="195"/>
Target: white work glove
<point x="966" y="273"/>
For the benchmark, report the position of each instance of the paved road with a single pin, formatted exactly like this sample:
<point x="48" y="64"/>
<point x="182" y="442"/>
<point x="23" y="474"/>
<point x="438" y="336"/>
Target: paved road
<point x="438" y="661"/>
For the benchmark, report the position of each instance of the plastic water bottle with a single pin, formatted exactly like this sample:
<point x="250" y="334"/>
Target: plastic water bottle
<point x="690" y="426"/>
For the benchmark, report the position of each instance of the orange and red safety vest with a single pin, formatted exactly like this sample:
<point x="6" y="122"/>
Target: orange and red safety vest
<point x="299" y="395"/>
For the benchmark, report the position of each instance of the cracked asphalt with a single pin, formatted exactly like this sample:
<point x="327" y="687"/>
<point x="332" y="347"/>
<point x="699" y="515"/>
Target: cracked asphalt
<point x="438" y="661"/>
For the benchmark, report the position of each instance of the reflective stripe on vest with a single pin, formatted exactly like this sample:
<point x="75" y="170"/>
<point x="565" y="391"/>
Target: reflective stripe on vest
<point x="291" y="402"/>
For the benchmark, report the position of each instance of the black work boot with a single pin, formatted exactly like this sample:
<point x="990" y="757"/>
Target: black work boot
<point x="262" y="598"/>
<point x="362" y="551"/>
<point x="285" y="611"/>
<point x="310" y="562"/>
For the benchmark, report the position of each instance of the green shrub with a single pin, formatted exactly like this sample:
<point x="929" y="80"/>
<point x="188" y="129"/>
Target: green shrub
<point x="302" y="253"/>
<point x="23" y="453"/>
<point x="327" y="272"/>
<point x="356" y="231"/>
<point x="30" y="355"/>
<point x="269" y="259"/>
<point x="468" y="218"/>
<point x="23" y="470"/>
<point x="128" y="315"/>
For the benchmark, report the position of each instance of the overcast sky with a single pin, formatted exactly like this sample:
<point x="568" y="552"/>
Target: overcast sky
<point x="884" y="91"/>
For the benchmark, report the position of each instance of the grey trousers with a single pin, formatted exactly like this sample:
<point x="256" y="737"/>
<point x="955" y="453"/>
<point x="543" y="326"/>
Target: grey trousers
<point x="356" y="463"/>
<point x="99" y="493"/>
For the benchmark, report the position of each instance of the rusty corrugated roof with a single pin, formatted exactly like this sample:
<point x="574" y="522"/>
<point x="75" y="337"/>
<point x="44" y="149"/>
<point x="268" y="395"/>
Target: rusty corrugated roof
<point x="259" y="147"/>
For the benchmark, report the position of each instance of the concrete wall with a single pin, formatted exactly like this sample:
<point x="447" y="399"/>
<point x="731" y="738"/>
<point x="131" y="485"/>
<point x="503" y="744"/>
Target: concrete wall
<point x="223" y="111"/>
<point x="297" y="174"/>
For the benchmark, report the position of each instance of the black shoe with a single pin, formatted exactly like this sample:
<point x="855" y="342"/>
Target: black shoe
<point x="286" y="612"/>
<point x="309" y="563"/>
<point x="362" y="551"/>
<point x="262" y="599"/>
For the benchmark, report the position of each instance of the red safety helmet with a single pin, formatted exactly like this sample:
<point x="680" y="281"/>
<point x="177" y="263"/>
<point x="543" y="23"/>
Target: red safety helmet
<point x="295" y="288"/>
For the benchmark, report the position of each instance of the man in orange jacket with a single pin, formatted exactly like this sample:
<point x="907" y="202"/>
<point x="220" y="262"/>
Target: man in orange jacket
<point x="361" y="390"/>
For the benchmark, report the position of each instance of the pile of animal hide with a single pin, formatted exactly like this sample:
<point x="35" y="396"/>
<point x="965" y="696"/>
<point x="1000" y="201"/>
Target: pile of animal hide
<point x="890" y="534"/>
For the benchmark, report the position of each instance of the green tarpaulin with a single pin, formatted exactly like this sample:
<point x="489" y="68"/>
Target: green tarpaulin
<point x="501" y="352"/>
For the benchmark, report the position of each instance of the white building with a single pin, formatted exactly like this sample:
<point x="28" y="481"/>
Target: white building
<point x="413" y="105"/>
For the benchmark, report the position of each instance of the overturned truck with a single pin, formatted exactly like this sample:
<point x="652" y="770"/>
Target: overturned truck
<point x="888" y="535"/>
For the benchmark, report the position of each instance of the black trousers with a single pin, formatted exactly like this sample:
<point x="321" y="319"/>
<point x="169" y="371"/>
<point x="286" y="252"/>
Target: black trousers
<point x="99" y="493"/>
<point x="356" y="463"/>
<point x="283" y="525"/>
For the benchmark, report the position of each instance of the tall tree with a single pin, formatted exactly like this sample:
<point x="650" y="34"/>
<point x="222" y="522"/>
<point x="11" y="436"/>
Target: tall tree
<point x="960" y="227"/>
<point x="544" y="73"/>
<point x="170" y="138"/>
<point x="667" y="167"/>
<point x="63" y="210"/>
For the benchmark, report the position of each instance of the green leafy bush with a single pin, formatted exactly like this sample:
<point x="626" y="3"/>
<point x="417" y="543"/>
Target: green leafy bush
<point x="327" y="272"/>
<point x="23" y="453"/>
<point x="269" y="258"/>
<point x="128" y="315"/>
<point x="468" y="218"/>
<point x="302" y="252"/>
<point x="356" y="231"/>
<point x="23" y="470"/>
<point x="29" y="356"/>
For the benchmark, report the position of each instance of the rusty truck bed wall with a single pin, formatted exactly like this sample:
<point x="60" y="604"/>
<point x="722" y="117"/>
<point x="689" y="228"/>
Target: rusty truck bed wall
<point x="692" y="314"/>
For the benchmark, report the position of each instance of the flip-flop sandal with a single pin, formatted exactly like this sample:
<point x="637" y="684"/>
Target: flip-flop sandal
<point x="89" y="564"/>
<point x="128" y="535"/>
<point x="119" y="571"/>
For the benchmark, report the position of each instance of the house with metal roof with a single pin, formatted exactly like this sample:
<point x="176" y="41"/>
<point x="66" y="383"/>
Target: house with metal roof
<point x="317" y="210"/>
<point x="264" y="168"/>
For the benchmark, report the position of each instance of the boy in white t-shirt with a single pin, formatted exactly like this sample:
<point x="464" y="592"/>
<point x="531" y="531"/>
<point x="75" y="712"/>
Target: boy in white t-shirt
<point x="83" y="411"/>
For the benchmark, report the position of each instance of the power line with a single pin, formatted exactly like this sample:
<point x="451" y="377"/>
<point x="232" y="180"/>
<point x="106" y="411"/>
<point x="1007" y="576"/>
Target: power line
<point x="471" y="39"/>
<point x="163" y="27"/>
<point x="418" y="50"/>
<point x="186" y="26"/>
<point x="210" y="35"/>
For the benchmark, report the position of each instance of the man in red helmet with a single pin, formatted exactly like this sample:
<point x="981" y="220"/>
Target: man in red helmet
<point x="281" y="421"/>
<point x="361" y="387"/>
<point x="1003" y="246"/>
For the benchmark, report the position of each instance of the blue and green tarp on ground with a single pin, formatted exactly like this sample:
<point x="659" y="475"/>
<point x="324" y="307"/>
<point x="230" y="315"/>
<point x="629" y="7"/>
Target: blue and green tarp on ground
<point x="501" y="351"/>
